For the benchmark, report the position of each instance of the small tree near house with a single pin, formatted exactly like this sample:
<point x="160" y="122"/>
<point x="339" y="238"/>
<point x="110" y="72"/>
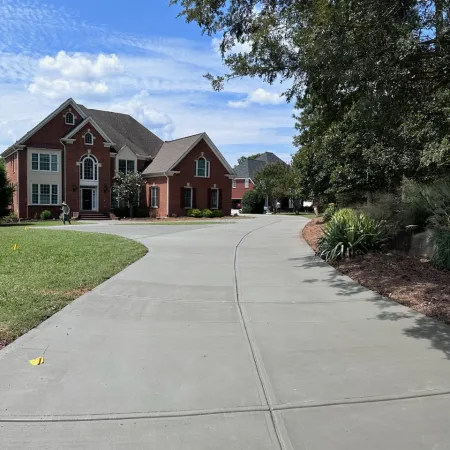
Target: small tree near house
<point x="6" y="191"/>
<point x="128" y="187"/>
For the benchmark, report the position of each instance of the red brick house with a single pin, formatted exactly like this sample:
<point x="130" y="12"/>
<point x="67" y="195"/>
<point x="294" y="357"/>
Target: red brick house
<point x="74" y="153"/>
<point x="245" y="173"/>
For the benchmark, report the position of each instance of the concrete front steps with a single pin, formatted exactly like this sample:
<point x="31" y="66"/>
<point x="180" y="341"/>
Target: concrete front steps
<point x="92" y="215"/>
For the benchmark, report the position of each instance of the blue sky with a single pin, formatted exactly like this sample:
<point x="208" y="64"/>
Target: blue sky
<point x="136" y="57"/>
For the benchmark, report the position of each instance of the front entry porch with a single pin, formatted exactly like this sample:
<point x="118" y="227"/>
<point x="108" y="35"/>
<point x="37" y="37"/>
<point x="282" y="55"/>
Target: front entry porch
<point x="88" y="198"/>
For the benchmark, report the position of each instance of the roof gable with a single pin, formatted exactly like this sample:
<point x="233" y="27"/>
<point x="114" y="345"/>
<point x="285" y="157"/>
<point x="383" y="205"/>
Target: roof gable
<point x="62" y="107"/>
<point x="125" y="130"/>
<point x="83" y="124"/>
<point x="173" y="152"/>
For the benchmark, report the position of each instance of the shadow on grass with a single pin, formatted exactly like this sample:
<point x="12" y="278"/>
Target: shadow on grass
<point x="417" y="325"/>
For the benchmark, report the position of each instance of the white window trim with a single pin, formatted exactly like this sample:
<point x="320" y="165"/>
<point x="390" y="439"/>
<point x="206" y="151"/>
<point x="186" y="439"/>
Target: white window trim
<point x="84" y="139"/>
<point x="97" y="165"/>
<point x="234" y="183"/>
<point x="39" y="194"/>
<point x="192" y="197"/>
<point x="73" y="117"/>
<point x="218" y="199"/>
<point x="39" y="162"/>
<point x="154" y="197"/>
<point x="247" y="183"/>
<point x="207" y="168"/>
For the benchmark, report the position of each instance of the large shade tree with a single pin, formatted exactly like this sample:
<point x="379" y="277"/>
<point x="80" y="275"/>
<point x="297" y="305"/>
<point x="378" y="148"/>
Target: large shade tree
<point x="369" y="78"/>
<point x="6" y="191"/>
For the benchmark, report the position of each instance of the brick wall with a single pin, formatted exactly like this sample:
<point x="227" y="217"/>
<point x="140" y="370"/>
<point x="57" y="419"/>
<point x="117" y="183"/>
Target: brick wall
<point x="240" y="189"/>
<point x="217" y="179"/>
<point x="161" y="183"/>
<point x="50" y="134"/>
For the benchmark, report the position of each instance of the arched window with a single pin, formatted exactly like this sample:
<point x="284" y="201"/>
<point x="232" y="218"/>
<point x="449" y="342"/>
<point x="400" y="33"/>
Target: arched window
<point x="202" y="167"/>
<point x="70" y="119"/>
<point x="89" y="168"/>
<point x="88" y="139"/>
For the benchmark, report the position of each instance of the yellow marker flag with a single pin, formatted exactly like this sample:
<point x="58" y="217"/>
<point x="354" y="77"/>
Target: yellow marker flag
<point x="37" y="361"/>
<point x="15" y="247"/>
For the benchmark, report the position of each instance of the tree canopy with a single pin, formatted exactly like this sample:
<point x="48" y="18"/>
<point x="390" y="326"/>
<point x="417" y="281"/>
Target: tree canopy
<point x="6" y="191"/>
<point x="370" y="79"/>
<point x="243" y="158"/>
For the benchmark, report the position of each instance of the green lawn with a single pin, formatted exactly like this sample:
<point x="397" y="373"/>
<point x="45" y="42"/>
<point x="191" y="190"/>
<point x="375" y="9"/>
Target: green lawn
<point x="50" y="268"/>
<point x="44" y="223"/>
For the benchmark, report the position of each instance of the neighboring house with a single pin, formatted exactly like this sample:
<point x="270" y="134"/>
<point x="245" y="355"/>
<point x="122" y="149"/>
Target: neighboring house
<point x="245" y="173"/>
<point x="75" y="152"/>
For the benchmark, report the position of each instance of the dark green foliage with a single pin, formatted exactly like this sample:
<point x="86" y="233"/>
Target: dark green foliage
<point x="6" y="191"/>
<point x="194" y="212"/>
<point x="207" y="213"/>
<point x="10" y="218"/>
<point x="350" y="233"/>
<point x="441" y="252"/>
<point x="217" y="213"/>
<point x="329" y="212"/>
<point x="370" y="79"/>
<point x="243" y="158"/>
<point x="46" y="215"/>
<point x="253" y="203"/>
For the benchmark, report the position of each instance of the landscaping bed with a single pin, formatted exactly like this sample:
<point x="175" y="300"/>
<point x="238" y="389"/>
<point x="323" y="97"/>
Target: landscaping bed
<point x="44" y="270"/>
<point x="407" y="280"/>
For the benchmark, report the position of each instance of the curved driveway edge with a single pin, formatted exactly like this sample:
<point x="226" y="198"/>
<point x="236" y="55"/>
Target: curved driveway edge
<point x="207" y="344"/>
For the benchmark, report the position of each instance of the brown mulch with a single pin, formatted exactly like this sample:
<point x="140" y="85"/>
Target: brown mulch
<point x="407" y="280"/>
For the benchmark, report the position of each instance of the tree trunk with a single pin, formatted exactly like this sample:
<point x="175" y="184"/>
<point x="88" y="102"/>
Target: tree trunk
<point x="439" y="18"/>
<point x="130" y="206"/>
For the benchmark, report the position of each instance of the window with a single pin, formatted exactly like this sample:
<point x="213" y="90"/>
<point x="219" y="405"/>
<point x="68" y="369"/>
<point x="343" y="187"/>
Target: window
<point x="154" y="197"/>
<point x="70" y="119"/>
<point x="89" y="168"/>
<point x="187" y="197"/>
<point x="44" y="162"/>
<point x="35" y="194"/>
<point x="88" y="139"/>
<point x="54" y="163"/>
<point x="234" y="183"/>
<point x="202" y="168"/>
<point x="126" y="166"/>
<point x="214" y="200"/>
<point x="54" y="194"/>
<point x="44" y="194"/>
<point x="246" y="183"/>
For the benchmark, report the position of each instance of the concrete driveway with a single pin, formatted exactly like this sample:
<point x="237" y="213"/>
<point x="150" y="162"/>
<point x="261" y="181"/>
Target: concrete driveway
<point x="228" y="337"/>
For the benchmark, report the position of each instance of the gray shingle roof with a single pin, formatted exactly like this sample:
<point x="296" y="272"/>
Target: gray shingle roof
<point x="248" y="168"/>
<point x="170" y="153"/>
<point x="269" y="158"/>
<point x="125" y="130"/>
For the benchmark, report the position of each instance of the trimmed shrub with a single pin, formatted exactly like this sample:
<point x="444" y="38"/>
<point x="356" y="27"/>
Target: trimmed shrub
<point x="46" y="215"/>
<point x="253" y="203"/>
<point x="350" y="233"/>
<point x="217" y="213"/>
<point x="121" y="212"/>
<point x="141" y="212"/>
<point x="194" y="212"/>
<point x="207" y="213"/>
<point x="329" y="212"/>
<point x="10" y="218"/>
<point x="441" y="251"/>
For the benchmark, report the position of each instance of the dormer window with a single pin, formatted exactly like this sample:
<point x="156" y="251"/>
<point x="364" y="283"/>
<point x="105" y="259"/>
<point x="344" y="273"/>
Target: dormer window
<point x="202" y="167"/>
<point x="70" y="119"/>
<point x="88" y="139"/>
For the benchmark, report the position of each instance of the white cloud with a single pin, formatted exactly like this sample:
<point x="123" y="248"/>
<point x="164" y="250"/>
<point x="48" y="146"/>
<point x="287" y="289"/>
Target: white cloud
<point x="140" y="108"/>
<point x="259" y="96"/>
<point x="79" y="66"/>
<point x="69" y="75"/>
<point x="60" y="88"/>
